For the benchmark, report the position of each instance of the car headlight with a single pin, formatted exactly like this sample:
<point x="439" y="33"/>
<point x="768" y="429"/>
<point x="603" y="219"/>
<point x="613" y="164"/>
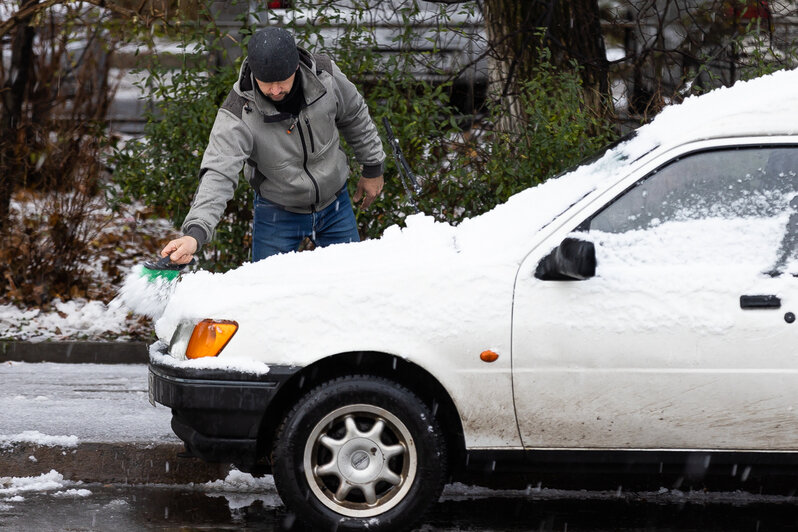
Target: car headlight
<point x="204" y="339"/>
<point x="180" y="338"/>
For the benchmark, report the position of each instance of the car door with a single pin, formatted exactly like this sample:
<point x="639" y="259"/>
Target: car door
<point x="685" y="337"/>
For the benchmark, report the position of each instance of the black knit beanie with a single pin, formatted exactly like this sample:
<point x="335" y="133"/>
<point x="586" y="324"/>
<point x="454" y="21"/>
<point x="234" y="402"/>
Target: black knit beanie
<point x="272" y="54"/>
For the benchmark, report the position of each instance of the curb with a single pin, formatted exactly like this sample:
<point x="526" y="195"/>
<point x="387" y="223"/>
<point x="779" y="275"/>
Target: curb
<point x="84" y="352"/>
<point x="127" y="463"/>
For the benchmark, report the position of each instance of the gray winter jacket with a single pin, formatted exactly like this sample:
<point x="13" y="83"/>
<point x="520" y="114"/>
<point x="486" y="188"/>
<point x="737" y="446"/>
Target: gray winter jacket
<point x="295" y="162"/>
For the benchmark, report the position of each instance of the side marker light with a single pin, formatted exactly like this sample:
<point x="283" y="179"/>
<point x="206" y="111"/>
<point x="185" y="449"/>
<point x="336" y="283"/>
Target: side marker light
<point x="488" y="356"/>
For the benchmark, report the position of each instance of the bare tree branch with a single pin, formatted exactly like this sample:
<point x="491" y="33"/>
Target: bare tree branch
<point x="30" y="10"/>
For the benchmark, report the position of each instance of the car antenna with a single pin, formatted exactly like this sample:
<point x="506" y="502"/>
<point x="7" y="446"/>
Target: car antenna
<point x="406" y="175"/>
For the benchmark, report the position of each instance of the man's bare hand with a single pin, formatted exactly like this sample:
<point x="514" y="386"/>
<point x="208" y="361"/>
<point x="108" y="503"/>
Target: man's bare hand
<point x="368" y="188"/>
<point x="181" y="250"/>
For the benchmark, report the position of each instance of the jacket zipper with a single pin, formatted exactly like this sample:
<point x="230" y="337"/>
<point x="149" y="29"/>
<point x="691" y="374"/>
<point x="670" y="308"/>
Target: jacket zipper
<point x="310" y="134"/>
<point x="305" y="162"/>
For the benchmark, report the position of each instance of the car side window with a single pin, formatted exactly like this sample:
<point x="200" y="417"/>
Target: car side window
<point x="729" y="183"/>
<point x="712" y="211"/>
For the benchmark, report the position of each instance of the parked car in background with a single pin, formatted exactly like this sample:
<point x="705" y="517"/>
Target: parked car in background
<point x="636" y="313"/>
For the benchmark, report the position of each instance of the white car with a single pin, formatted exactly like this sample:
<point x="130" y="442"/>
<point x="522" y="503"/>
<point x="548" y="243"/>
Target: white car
<point x="639" y="310"/>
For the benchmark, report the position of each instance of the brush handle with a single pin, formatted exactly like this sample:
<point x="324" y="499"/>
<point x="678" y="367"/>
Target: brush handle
<point x="165" y="263"/>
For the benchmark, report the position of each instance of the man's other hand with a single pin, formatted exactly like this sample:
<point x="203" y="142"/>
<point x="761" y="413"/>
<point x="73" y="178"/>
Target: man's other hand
<point x="368" y="188"/>
<point x="181" y="250"/>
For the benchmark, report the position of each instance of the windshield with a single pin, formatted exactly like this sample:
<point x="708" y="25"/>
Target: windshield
<point x="524" y="214"/>
<point x="590" y="159"/>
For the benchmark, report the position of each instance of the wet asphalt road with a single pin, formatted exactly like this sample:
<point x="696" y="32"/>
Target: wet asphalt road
<point x="46" y="398"/>
<point x="120" y="508"/>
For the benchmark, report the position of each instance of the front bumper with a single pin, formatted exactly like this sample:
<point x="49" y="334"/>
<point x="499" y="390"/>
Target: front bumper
<point x="217" y="413"/>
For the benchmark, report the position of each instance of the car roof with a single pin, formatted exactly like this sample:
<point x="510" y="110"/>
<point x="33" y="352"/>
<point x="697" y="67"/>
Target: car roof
<point x="764" y="106"/>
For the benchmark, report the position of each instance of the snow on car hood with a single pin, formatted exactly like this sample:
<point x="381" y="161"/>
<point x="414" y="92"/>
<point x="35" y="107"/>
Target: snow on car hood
<point x="430" y="280"/>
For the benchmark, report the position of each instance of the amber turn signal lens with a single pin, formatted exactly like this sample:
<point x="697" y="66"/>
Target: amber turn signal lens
<point x="210" y="337"/>
<point x="488" y="356"/>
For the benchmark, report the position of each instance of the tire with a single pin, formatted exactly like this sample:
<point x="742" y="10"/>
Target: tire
<point x="359" y="452"/>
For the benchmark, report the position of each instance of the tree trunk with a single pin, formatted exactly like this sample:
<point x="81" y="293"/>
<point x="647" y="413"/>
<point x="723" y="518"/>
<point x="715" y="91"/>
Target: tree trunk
<point x="569" y="28"/>
<point x="575" y="35"/>
<point x="13" y="96"/>
<point x="511" y="27"/>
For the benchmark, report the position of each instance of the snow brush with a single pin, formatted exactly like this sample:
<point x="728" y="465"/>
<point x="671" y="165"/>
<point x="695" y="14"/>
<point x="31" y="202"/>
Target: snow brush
<point x="148" y="286"/>
<point x="163" y="268"/>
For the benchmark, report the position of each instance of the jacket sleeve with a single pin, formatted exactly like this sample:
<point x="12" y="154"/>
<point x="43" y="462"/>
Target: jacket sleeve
<point x="229" y="146"/>
<point x="356" y="126"/>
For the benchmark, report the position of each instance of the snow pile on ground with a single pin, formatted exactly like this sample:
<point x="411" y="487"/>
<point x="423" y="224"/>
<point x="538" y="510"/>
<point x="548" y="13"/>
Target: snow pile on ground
<point x="73" y="319"/>
<point x="12" y="488"/>
<point x="37" y="438"/>
<point x="66" y="494"/>
<point x="242" y="490"/>
<point x="238" y="481"/>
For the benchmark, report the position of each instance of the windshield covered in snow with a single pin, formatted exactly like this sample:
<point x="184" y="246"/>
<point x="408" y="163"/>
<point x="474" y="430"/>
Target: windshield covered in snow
<point x="527" y="212"/>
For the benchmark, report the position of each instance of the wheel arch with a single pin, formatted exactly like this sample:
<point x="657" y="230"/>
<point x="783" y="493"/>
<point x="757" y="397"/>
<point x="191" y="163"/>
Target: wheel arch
<point x="392" y="367"/>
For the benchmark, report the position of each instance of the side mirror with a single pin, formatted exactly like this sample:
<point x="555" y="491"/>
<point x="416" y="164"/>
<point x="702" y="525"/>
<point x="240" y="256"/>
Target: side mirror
<point x="572" y="260"/>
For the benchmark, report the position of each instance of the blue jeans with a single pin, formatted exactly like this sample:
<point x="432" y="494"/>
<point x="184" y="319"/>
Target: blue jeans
<point x="276" y="230"/>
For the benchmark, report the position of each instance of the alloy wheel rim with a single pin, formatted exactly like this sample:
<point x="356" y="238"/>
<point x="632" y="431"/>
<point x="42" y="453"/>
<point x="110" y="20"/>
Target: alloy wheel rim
<point x="360" y="460"/>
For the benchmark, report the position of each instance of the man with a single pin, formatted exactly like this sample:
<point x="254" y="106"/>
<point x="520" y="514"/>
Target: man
<point x="282" y="121"/>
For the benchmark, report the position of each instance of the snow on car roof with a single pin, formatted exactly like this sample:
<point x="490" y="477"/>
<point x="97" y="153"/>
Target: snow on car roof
<point x="767" y="105"/>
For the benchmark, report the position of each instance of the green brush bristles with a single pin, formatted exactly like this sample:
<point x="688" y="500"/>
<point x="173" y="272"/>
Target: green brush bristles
<point x="147" y="288"/>
<point x="153" y="275"/>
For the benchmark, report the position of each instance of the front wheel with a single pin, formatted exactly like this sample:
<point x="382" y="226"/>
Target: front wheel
<point x="359" y="452"/>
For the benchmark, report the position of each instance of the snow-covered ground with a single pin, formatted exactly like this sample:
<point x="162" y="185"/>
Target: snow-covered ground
<point x="75" y="319"/>
<point x="121" y="241"/>
<point x="65" y="404"/>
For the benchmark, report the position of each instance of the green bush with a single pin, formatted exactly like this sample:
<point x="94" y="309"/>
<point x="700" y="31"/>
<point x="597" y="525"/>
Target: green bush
<point x="553" y="131"/>
<point x="557" y="130"/>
